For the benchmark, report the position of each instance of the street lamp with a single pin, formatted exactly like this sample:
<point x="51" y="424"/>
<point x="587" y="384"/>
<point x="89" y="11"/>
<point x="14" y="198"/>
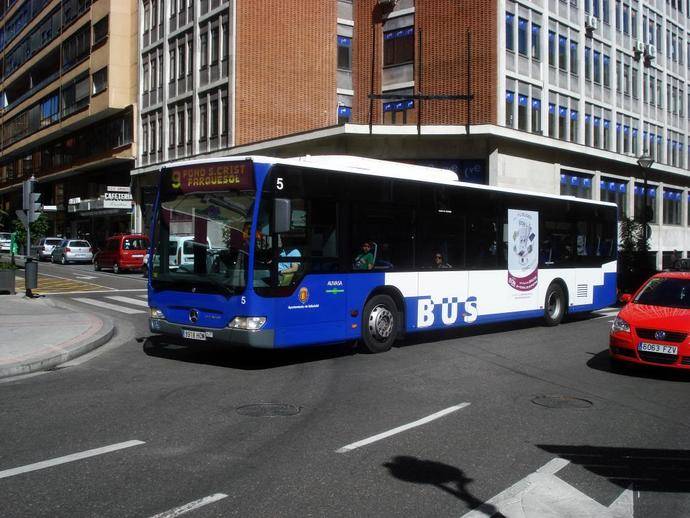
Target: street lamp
<point x="645" y="162"/>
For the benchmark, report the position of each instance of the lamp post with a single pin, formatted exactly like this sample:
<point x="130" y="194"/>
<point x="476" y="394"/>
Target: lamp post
<point x="645" y="162"/>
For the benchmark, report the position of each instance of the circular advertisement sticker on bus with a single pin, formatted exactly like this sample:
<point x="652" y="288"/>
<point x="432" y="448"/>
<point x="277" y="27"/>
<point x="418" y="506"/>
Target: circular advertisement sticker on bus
<point x="523" y="249"/>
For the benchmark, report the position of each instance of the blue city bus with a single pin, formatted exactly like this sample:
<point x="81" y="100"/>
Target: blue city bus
<point x="275" y="253"/>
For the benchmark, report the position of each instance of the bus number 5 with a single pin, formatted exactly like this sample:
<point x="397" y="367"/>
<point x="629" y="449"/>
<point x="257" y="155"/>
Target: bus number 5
<point x="243" y="300"/>
<point x="279" y="184"/>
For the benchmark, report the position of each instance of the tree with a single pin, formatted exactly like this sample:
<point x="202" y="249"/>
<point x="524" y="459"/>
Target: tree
<point x="39" y="229"/>
<point x="633" y="258"/>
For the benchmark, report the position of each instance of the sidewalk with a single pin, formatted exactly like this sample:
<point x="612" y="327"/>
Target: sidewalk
<point x="38" y="334"/>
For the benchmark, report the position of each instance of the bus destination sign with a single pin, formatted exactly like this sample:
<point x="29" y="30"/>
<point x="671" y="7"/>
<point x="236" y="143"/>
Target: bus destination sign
<point x="218" y="176"/>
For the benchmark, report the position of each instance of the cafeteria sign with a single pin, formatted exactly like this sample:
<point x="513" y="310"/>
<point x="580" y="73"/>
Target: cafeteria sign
<point x="212" y="177"/>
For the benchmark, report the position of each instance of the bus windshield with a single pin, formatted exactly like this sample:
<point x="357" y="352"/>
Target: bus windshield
<point x="202" y="241"/>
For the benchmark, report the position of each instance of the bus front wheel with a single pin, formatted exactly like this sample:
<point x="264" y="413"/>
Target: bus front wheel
<point x="554" y="305"/>
<point x="379" y="324"/>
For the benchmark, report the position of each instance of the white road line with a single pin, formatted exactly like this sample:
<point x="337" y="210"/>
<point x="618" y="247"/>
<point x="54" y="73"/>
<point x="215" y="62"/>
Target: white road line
<point x="73" y="280"/>
<point x="399" y="429"/>
<point x="107" y="305"/>
<point x="129" y="300"/>
<point x="68" y="458"/>
<point x="553" y="466"/>
<point x="191" y="506"/>
<point x="75" y="292"/>
<point x="144" y="295"/>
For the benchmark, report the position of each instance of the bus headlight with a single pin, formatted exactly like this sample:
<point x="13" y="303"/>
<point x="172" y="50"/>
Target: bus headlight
<point x="156" y="313"/>
<point x="620" y="325"/>
<point x="247" y="323"/>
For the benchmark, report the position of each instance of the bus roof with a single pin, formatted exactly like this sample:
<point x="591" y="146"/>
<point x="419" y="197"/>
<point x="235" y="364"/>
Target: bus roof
<point x="374" y="167"/>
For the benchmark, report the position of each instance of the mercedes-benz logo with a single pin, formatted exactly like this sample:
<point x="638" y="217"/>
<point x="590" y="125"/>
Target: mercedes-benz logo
<point x="193" y="316"/>
<point x="660" y="335"/>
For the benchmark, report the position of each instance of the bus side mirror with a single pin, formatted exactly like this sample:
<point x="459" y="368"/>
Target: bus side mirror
<point x="625" y="298"/>
<point x="282" y="212"/>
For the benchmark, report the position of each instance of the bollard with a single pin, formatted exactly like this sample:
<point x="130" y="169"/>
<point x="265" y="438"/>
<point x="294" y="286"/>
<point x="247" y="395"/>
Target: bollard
<point x="30" y="276"/>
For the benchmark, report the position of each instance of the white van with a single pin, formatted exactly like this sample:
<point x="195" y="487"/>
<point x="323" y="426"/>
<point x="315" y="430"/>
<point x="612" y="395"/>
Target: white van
<point x="181" y="249"/>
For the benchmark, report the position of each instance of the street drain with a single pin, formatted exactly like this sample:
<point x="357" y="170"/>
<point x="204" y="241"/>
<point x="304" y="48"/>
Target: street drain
<point x="561" y="402"/>
<point x="268" y="410"/>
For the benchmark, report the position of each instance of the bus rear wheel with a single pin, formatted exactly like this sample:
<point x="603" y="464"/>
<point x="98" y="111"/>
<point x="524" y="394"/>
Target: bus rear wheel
<point x="379" y="324"/>
<point x="554" y="305"/>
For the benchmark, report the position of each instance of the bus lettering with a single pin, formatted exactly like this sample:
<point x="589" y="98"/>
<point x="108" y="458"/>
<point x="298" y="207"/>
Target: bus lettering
<point x="449" y="308"/>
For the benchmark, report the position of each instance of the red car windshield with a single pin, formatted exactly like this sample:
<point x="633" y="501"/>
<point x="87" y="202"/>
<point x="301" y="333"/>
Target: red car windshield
<point x="666" y="291"/>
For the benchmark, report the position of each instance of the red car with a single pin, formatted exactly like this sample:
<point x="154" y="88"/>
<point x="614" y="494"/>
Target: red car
<point x="654" y="325"/>
<point x="122" y="252"/>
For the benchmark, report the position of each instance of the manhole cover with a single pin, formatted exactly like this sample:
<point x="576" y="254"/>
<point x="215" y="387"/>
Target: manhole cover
<point x="268" y="410"/>
<point x="561" y="402"/>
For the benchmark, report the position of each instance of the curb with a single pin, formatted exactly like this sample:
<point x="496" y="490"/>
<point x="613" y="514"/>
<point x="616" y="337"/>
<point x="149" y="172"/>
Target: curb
<point x="96" y="339"/>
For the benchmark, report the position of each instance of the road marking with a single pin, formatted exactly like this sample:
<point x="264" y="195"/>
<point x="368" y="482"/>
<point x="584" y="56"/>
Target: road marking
<point x="109" y="290"/>
<point x="129" y="300"/>
<point x="107" y="305"/>
<point x="68" y="458"/>
<point x="544" y="494"/>
<point x="85" y="277"/>
<point x="191" y="506"/>
<point x="402" y="428"/>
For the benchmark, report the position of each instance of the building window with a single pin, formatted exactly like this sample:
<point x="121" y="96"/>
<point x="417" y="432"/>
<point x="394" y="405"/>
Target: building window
<point x="615" y="191"/>
<point x="344" y="113"/>
<point x="510" y="31"/>
<point x="182" y="61"/>
<point x="643" y="199"/>
<point x="522" y="36"/>
<point x="576" y="184"/>
<point x="588" y="129"/>
<point x="203" y="120"/>
<point x="573" y="58"/>
<point x="398" y="47"/>
<point x="536" y="41"/>
<point x="100" y="80"/>
<point x="562" y="118"/>
<point x="597" y="132"/>
<point x="552" y="48"/>
<point x="672" y="207"/>
<point x="597" y="66"/>
<point x="100" y="30"/>
<point x="344" y="53"/>
<point x="173" y="69"/>
<point x="214" y="119"/>
<point x="510" y="108"/>
<point x="215" y="43"/>
<point x="536" y="116"/>
<point x="607" y="71"/>
<point x="573" y="126"/>
<point x="203" y="50"/>
<point x="552" y="121"/>
<point x="171" y="130"/>
<point x="396" y="112"/>
<point x="588" y="63"/>
<point x="562" y="55"/>
<point x="180" y="128"/>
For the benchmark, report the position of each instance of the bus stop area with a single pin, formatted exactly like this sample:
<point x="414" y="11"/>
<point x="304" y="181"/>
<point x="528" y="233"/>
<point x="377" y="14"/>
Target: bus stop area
<point x="38" y="334"/>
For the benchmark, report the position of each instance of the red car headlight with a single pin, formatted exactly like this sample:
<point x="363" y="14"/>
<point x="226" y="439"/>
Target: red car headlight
<point x="620" y="326"/>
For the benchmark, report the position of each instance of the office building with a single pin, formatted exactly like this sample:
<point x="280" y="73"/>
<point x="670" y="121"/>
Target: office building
<point x="67" y="99"/>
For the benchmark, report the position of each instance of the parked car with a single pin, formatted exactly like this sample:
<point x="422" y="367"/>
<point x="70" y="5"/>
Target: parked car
<point x="181" y="250"/>
<point x="72" y="250"/>
<point x="5" y="241"/>
<point x="654" y="325"/>
<point x="45" y="247"/>
<point x="122" y="252"/>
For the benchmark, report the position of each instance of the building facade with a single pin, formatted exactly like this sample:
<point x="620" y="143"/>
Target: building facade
<point x="68" y="97"/>
<point x="565" y="95"/>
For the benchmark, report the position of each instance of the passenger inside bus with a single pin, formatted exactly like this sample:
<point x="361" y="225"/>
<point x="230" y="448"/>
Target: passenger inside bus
<point x="439" y="262"/>
<point x="287" y="269"/>
<point x="366" y="258"/>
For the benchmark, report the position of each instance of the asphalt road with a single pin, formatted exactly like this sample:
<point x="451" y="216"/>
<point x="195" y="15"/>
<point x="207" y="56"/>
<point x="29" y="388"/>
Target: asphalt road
<point x="535" y="395"/>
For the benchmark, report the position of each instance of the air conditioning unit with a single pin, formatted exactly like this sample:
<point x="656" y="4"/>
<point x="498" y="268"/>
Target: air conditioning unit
<point x="640" y="47"/>
<point x="591" y="23"/>
<point x="650" y="52"/>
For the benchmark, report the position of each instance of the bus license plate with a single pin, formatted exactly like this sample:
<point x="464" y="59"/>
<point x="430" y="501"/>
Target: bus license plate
<point x="194" y="335"/>
<point x="657" y="348"/>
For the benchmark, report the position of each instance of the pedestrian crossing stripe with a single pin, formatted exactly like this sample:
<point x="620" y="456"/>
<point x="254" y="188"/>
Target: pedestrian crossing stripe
<point x="128" y="300"/>
<point x="107" y="305"/>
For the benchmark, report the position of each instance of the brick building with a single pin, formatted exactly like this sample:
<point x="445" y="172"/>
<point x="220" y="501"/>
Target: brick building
<point x="67" y="99"/>
<point x="566" y="95"/>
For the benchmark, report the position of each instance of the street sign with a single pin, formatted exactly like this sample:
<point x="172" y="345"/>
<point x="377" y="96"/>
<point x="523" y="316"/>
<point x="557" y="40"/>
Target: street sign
<point x="22" y="217"/>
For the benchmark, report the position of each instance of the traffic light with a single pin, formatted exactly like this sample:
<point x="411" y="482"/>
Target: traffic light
<point x="30" y="200"/>
<point x="35" y="207"/>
